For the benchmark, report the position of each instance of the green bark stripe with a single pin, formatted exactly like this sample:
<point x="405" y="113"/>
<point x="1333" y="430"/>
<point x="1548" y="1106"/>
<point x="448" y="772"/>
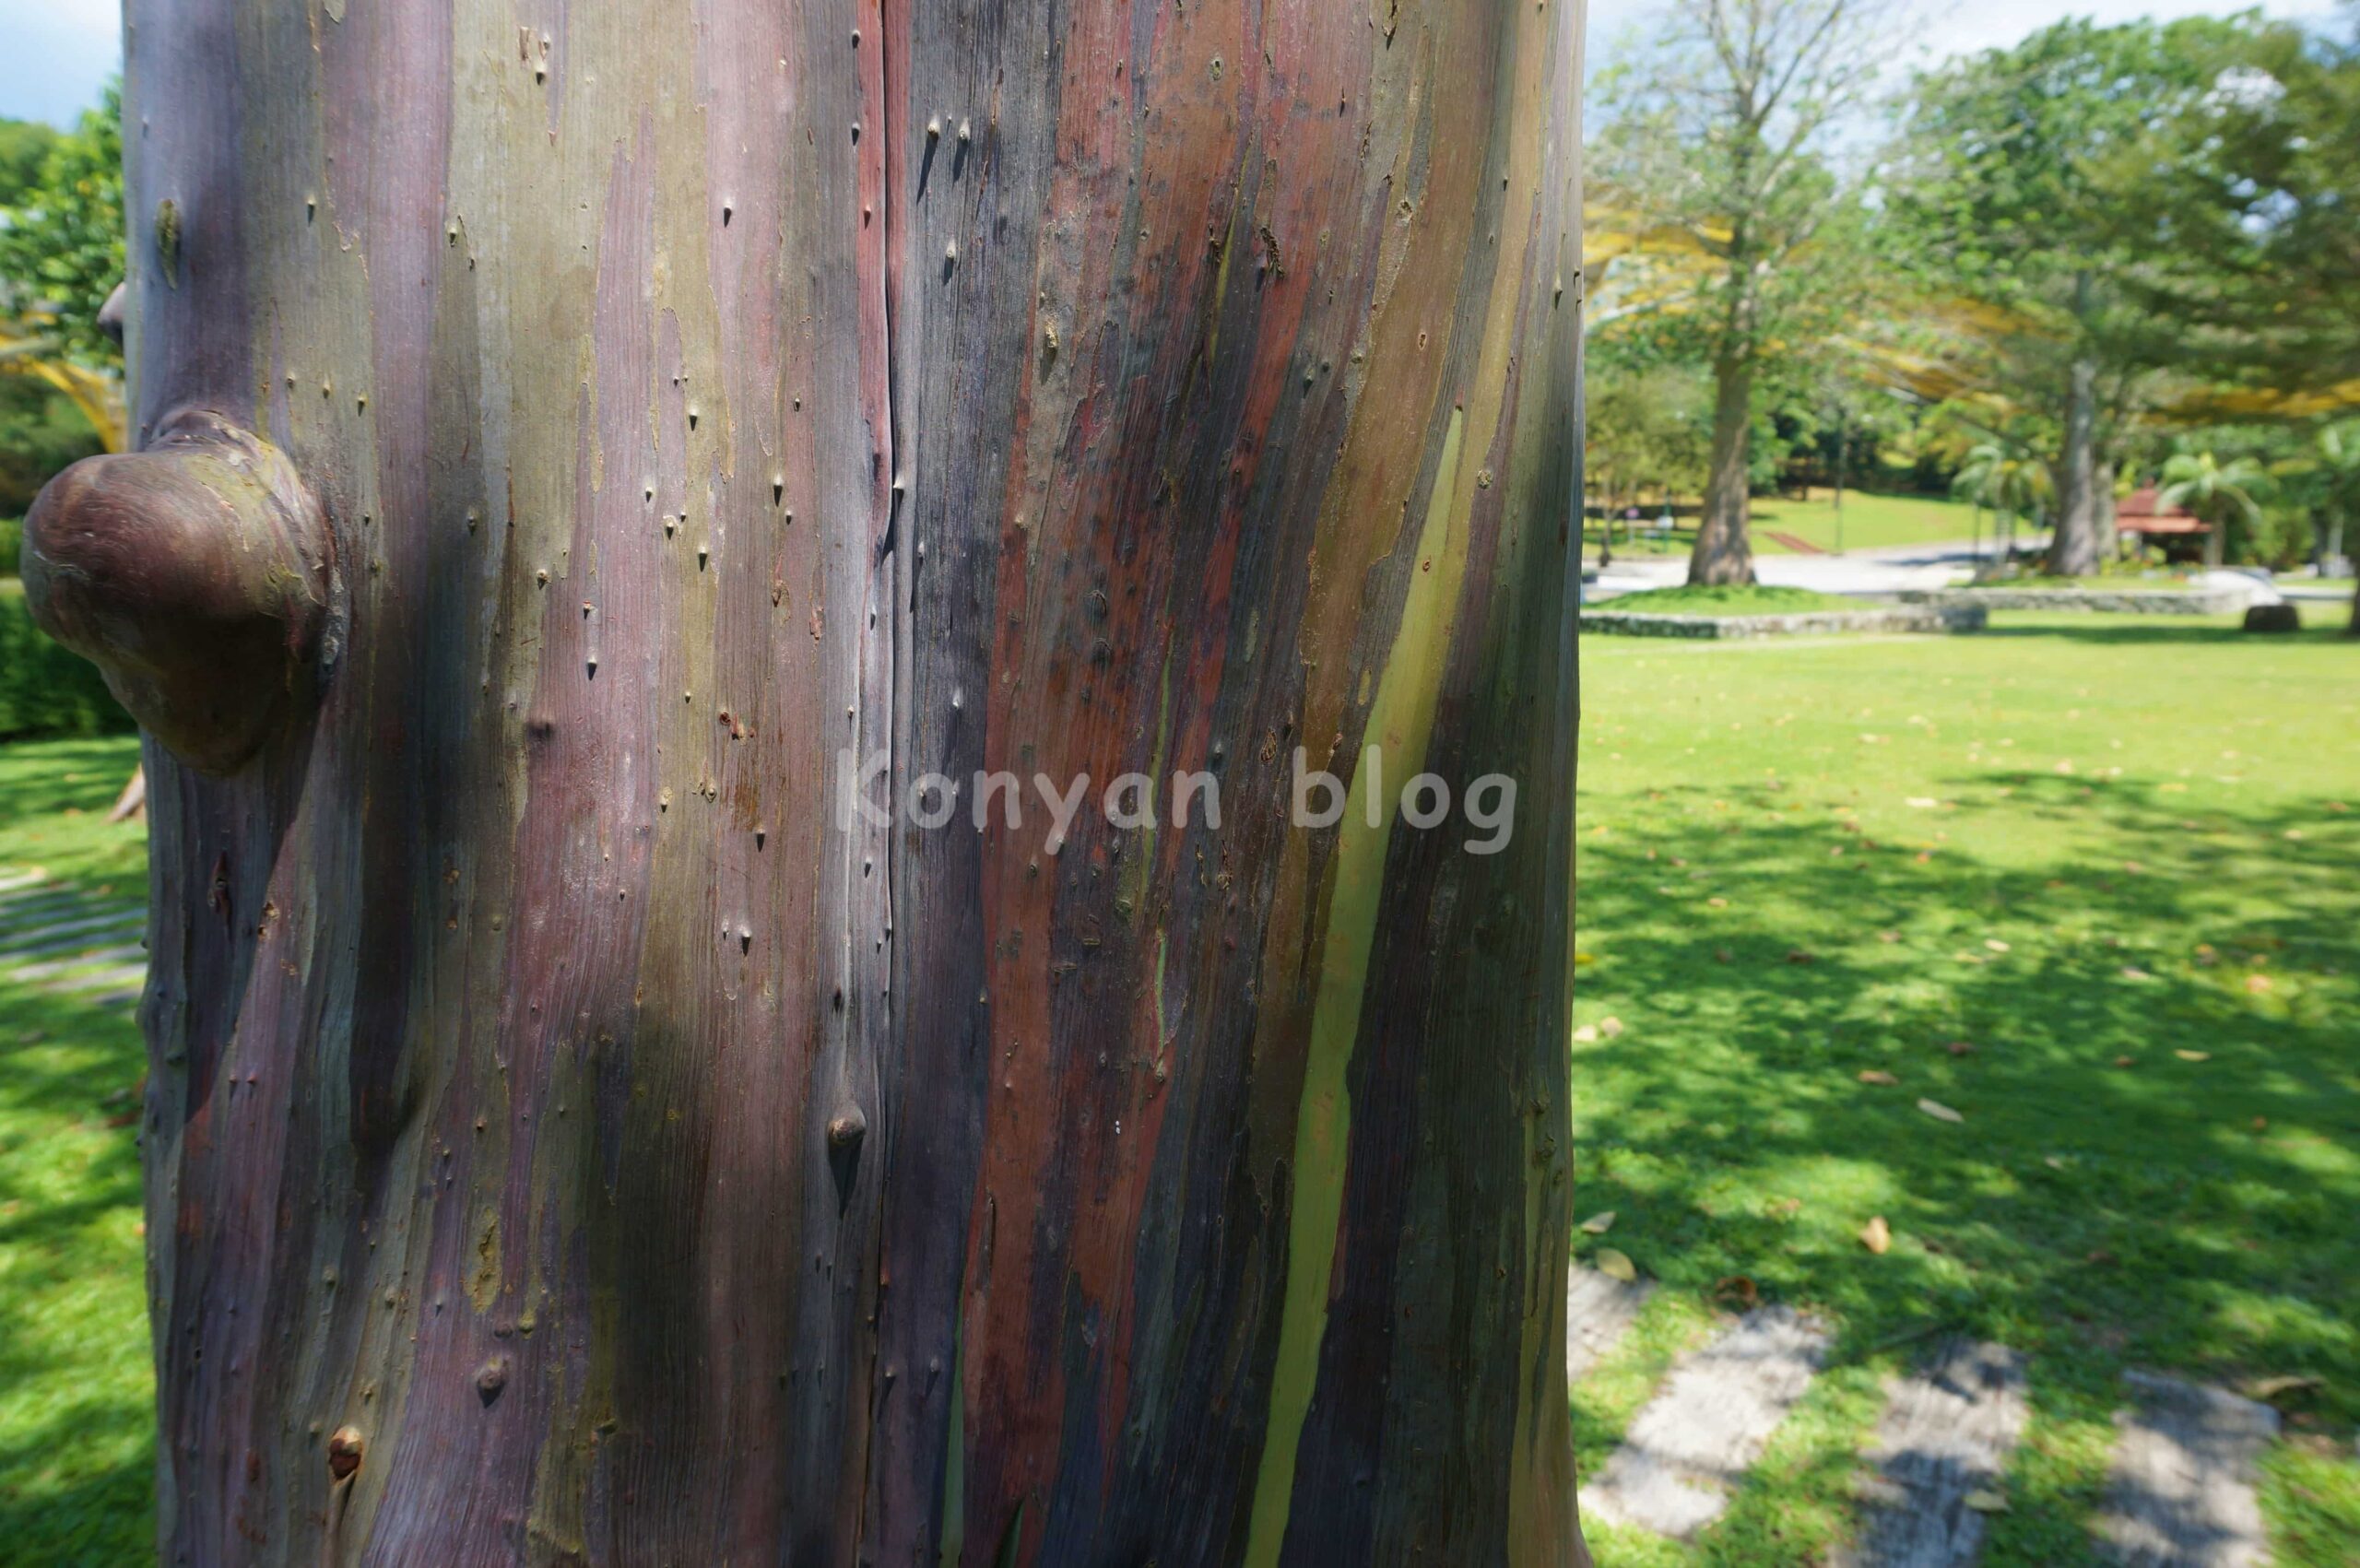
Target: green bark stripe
<point x="1399" y="722"/>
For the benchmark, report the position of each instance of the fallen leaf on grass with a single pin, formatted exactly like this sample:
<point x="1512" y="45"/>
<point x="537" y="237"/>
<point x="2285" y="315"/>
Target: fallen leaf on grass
<point x="1586" y="1035"/>
<point x="1877" y="1236"/>
<point x="2131" y="971"/>
<point x="1799" y="956"/>
<point x="1737" y="1292"/>
<point x="2258" y="985"/>
<point x="1616" y="1266"/>
<point x="1888" y="937"/>
<point x="2125" y="1061"/>
<point x="1987" y="1502"/>
<point x="1880" y="1076"/>
<point x="1599" y="1224"/>
<point x="1922" y="803"/>
<point x="1960" y="1047"/>
<point x="1995" y="945"/>
<point x="1609" y="1027"/>
<point x="2193" y="1055"/>
<point x="1938" y="1111"/>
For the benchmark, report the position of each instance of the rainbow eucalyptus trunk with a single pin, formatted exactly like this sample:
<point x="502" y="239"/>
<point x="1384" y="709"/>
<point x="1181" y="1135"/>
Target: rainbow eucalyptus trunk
<point x="596" y="459"/>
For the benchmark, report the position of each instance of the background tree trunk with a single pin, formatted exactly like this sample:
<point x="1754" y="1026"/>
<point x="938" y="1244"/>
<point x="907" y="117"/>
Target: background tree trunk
<point x="569" y="1139"/>
<point x="2073" y="548"/>
<point x="1724" y="548"/>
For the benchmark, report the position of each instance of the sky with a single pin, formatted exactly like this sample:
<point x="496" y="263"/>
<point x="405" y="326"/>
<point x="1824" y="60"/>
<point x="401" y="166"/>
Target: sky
<point x="54" y="55"/>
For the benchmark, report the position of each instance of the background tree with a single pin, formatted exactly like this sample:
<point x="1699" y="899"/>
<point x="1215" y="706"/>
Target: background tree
<point x="1719" y="132"/>
<point x="2005" y="191"/>
<point x="61" y="246"/>
<point x="1647" y="428"/>
<point x="2253" y="183"/>
<point x="575" y="1132"/>
<point x="61" y="255"/>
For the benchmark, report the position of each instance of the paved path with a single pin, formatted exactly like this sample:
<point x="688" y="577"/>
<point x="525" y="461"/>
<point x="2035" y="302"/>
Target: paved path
<point x="1711" y="1421"/>
<point x="64" y="942"/>
<point x="1598" y="1311"/>
<point x="1889" y="569"/>
<point x="1939" y="1452"/>
<point x="2182" y="1494"/>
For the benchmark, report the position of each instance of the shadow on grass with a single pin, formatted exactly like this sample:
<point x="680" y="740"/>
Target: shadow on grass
<point x="2154" y="1060"/>
<point x="2169" y="1212"/>
<point x="2172" y="632"/>
<point x="61" y="776"/>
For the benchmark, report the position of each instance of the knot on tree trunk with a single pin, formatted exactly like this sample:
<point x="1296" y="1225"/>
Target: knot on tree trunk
<point x="195" y="574"/>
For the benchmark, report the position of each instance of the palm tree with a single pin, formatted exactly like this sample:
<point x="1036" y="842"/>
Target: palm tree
<point x="2216" y="491"/>
<point x="2009" y="483"/>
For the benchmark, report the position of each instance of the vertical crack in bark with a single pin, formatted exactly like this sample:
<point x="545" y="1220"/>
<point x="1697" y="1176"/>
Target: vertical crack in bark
<point x="892" y="573"/>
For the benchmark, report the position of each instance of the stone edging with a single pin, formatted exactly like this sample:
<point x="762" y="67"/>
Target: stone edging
<point x="2111" y="601"/>
<point x="1920" y="617"/>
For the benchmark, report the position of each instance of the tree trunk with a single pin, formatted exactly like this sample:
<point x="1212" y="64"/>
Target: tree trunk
<point x="1724" y="550"/>
<point x="577" y="1131"/>
<point x="2353" y="629"/>
<point x="2073" y="548"/>
<point x="2108" y="539"/>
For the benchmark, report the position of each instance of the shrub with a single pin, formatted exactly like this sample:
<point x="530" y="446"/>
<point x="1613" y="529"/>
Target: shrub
<point x="45" y="690"/>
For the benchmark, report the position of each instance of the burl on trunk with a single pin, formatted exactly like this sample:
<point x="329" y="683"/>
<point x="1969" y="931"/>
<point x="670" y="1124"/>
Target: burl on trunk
<point x="576" y="439"/>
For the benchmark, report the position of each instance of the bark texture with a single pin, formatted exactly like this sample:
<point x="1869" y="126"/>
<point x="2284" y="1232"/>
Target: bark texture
<point x="570" y="1139"/>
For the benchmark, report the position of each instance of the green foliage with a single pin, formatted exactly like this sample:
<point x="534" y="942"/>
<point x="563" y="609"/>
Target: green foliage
<point x="2253" y="190"/>
<point x="62" y="238"/>
<point x="2005" y="481"/>
<point x="40" y="433"/>
<point x="45" y="690"/>
<point x="1648" y="428"/>
<point x="24" y="149"/>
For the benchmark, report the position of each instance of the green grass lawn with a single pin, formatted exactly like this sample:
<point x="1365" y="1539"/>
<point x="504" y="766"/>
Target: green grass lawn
<point x="75" y="1389"/>
<point x="2093" y="883"/>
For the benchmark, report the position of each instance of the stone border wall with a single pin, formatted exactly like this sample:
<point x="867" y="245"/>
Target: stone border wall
<point x="1916" y="618"/>
<point x="2110" y="601"/>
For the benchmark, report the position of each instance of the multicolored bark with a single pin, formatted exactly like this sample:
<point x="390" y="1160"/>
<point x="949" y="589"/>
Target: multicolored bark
<point x="571" y="1138"/>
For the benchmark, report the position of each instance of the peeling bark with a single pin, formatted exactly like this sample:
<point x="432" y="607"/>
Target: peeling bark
<point x="572" y="1139"/>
